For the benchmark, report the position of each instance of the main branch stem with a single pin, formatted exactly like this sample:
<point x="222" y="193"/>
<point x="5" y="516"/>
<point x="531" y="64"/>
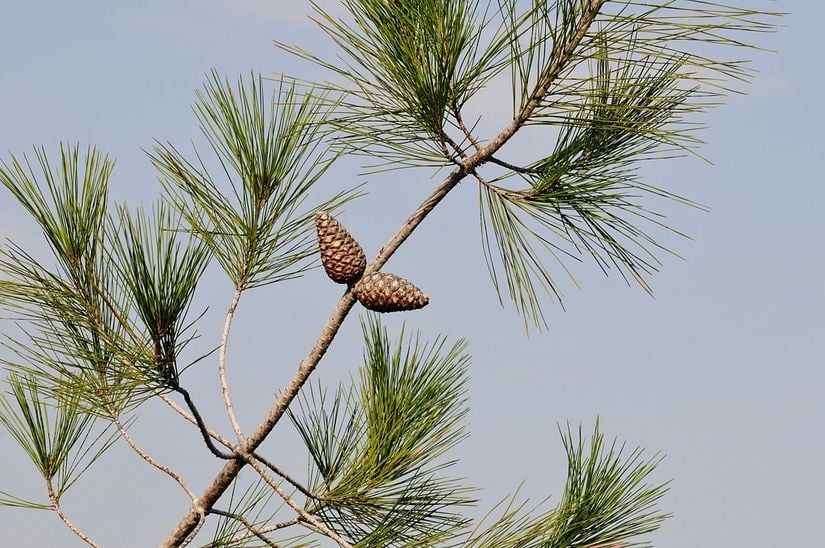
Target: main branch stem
<point x="347" y="301"/>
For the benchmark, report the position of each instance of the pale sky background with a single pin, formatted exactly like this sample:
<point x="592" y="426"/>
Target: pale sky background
<point x="723" y="371"/>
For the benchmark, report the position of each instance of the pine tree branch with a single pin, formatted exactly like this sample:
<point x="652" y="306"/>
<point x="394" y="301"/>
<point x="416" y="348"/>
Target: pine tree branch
<point x="347" y="301"/>
<point x="202" y="426"/>
<point x="282" y="525"/>
<point x="477" y="145"/>
<point x="262" y="530"/>
<point x="56" y="505"/>
<point x="243" y="521"/>
<point x="189" y="417"/>
<point x="459" y="150"/>
<point x="548" y="78"/>
<point x="308" y="364"/>
<point x="303" y="490"/>
<point x="143" y="455"/>
<point x="493" y="188"/>
<point x="302" y="513"/>
<point x="512" y="167"/>
<point x="459" y="122"/>
<point x="464" y="129"/>
<point x="227" y="397"/>
<point x="226" y="443"/>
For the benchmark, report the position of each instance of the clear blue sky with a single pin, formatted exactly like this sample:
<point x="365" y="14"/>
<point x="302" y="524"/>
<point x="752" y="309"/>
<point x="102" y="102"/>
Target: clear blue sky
<point x="723" y="371"/>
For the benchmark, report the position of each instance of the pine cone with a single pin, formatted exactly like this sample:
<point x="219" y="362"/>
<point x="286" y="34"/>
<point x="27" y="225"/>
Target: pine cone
<point x="384" y="292"/>
<point x="342" y="257"/>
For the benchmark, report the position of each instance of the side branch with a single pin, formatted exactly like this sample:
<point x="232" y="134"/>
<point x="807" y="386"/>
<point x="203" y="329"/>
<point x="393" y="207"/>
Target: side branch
<point x="512" y="167"/>
<point x="227" y="397"/>
<point x="196" y="531"/>
<point x="243" y="521"/>
<point x="56" y="505"/>
<point x="226" y="443"/>
<point x="202" y="426"/>
<point x="305" y="516"/>
<point x="191" y="418"/>
<point x="464" y="129"/>
<point x="262" y="531"/>
<point x="470" y="137"/>
<point x="143" y="455"/>
<point x="301" y="489"/>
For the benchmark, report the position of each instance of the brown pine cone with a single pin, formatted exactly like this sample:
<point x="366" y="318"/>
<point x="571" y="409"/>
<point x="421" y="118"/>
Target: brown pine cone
<point x="384" y="292"/>
<point x="342" y="257"/>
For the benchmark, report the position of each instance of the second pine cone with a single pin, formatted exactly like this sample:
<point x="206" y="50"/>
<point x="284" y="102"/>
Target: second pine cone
<point x="385" y="292"/>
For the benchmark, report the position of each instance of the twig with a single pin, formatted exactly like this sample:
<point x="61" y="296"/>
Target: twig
<point x="202" y="426"/>
<point x="227" y="397"/>
<point x="504" y="193"/>
<point x="302" y="513"/>
<point x="455" y="146"/>
<point x="446" y="151"/>
<point x="56" y="505"/>
<point x="282" y="525"/>
<point x="230" y="470"/>
<point x="262" y="530"/>
<point x="512" y="167"/>
<point x="463" y="128"/>
<point x="303" y="490"/>
<point x="226" y="443"/>
<point x="492" y="159"/>
<point x="242" y="520"/>
<point x="142" y="454"/>
<point x="188" y="416"/>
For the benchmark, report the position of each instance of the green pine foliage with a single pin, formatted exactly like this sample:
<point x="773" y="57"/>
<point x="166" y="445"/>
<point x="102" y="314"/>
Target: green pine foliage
<point x="615" y="83"/>
<point x="271" y="149"/>
<point x="77" y="329"/>
<point x="608" y="500"/>
<point x="161" y="275"/>
<point x="103" y="325"/>
<point x="377" y="447"/>
<point x="60" y="439"/>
